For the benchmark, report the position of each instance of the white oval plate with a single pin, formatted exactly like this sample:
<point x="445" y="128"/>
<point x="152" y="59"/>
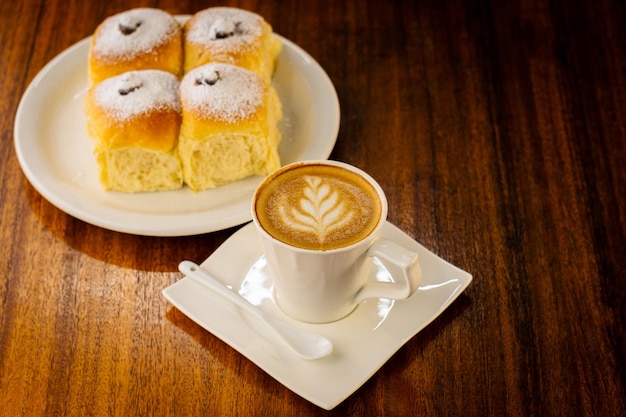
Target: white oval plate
<point x="56" y="156"/>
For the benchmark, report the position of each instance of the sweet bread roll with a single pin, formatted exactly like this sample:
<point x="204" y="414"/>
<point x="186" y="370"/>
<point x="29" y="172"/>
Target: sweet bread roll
<point x="230" y="126"/>
<point x="232" y="36"/>
<point x="134" y="121"/>
<point x="136" y="39"/>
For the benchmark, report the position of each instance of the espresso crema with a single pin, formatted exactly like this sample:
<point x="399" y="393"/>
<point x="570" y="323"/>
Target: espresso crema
<point x="316" y="206"/>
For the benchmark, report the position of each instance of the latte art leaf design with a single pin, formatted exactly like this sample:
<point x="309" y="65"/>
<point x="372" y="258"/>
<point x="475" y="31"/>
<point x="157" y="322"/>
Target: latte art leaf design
<point x="321" y="211"/>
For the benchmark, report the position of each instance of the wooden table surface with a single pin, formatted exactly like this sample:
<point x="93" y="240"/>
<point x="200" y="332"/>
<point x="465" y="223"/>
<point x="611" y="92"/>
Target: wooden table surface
<point x="498" y="131"/>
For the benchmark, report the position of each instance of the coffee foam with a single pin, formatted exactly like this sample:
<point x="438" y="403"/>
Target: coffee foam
<point x="318" y="207"/>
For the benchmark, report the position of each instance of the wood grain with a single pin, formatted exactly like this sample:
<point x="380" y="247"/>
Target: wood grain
<point x="498" y="131"/>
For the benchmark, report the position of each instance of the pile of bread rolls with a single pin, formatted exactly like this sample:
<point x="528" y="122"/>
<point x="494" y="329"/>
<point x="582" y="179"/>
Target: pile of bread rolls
<point x="170" y="105"/>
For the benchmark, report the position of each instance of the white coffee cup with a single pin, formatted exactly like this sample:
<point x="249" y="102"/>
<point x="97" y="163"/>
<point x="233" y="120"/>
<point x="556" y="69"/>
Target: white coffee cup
<point x="319" y="284"/>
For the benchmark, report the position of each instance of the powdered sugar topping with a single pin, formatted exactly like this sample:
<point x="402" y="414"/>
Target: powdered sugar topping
<point x="222" y="91"/>
<point x="137" y="92"/>
<point x="225" y="28"/>
<point x="135" y="31"/>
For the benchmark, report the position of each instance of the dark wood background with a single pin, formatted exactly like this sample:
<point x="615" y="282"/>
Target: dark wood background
<point x="498" y="131"/>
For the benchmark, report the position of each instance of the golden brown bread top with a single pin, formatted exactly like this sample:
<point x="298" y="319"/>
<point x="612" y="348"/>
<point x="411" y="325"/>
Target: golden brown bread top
<point x="223" y="98"/>
<point x="228" y="35"/>
<point x="137" y="109"/>
<point x="142" y="38"/>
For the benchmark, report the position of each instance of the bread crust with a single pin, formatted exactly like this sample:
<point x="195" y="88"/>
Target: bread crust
<point x="155" y="42"/>
<point x="233" y="36"/>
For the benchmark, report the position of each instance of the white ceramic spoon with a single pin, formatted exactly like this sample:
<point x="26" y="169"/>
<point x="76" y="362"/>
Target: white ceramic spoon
<point x="306" y="345"/>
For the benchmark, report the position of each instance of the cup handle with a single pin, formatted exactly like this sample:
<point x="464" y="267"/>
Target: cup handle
<point x="406" y="260"/>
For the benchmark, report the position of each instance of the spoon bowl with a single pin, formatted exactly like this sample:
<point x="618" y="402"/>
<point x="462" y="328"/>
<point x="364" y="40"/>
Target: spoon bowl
<point x="306" y="345"/>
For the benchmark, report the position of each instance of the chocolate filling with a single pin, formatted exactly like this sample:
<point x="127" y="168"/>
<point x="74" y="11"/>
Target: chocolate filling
<point x="211" y="79"/>
<point x="129" y="29"/>
<point x="126" y="91"/>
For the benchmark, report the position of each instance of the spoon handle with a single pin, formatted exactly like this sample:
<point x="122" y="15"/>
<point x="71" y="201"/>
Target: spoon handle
<point x="194" y="271"/>
<point x="306" y="345"/>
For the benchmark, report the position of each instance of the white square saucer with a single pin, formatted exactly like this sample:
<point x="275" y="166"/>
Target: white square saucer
<point x="363" y="341"/>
